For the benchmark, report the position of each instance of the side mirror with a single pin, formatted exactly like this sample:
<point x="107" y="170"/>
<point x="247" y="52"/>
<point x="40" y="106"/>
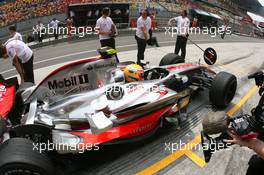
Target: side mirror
<point x="210" y="56"/>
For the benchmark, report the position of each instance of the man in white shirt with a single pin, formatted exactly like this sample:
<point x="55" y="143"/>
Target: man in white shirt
<point x="14" y="34"/>
<point x="142" y="35"/>
<point x="223" y="31"/>
<point x="22" y="57"/>
<point x="55" y="24"/>
<point x="183" y="24"/>
<point x="107" y="30"/>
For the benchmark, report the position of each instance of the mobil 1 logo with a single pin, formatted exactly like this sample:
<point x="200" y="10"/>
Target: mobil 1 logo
<point x="68" y="82"/>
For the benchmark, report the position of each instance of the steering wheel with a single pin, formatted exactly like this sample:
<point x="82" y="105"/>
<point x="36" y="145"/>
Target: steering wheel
<point x="151" y="74"/>
<point x="155" y="73"/>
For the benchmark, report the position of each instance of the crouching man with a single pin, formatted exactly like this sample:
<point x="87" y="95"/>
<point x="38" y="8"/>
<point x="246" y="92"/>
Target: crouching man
<point x="22" y="57"/>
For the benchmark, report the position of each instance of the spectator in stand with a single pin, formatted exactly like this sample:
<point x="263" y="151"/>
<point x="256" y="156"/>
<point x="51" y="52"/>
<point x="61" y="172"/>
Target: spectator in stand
<point x="183" y="24"/>
<point x="55" y="25"/>
<point x="107" y="30"/>
<point x="14" y="34"/>
<point x="142" y="35"/>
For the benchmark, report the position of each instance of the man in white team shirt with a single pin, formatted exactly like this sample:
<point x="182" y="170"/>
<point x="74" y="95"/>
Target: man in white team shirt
<point x="54" y="24"/>
<point x="142" y="35"/>
<point x="107" y="29"/>
<point x="183" y="24"/>
<point x="14" y="34"/>
<point x="22" y="57"/>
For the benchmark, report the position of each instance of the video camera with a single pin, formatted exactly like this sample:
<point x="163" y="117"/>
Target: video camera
<point x="246" y="126"/>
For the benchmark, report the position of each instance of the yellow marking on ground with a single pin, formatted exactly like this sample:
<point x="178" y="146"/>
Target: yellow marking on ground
<point x="242" y="101"/>
<point x="195" y="158"/>
<point x="187" y="150"/>
<point x="170" y="158"/>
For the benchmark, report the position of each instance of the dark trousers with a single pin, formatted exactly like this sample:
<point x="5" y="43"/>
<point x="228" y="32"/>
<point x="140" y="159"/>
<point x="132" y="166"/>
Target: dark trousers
<point x="110" y="43"/>
<point x="141" y="46"/>
<point x="28" y="73"/>
<point x="56" y="35"/>
<point x="223" y="35"/>
<point x="40" y="37"/>
<point x="181" y="45"/>
<point x="255" y="165"/>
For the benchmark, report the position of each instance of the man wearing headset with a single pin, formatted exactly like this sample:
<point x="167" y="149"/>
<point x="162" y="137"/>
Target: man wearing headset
<point x="22" y="57"/>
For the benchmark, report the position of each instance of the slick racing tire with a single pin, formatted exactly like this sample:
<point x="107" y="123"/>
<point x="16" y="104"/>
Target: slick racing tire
<point x="223" y="89"/>
<point x="3" y="127"/>
<point x="19" y="157"/>
<point x="171" y="58"/>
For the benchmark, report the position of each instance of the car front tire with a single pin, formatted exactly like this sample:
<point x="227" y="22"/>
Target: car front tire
<point x="171" y="58"/>
<point x="223" y="89"/>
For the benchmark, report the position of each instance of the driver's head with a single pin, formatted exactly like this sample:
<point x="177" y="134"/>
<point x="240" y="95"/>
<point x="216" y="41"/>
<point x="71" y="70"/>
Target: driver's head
<point x="134" y="72"/>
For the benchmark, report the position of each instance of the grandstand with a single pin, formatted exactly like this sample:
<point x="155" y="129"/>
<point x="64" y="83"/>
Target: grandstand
<point x="15" y="11"/>
<point x="19" y="10"/>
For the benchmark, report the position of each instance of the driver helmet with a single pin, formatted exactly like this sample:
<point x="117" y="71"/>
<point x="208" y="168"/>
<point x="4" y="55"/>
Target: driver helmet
<point x="133" y="72"/>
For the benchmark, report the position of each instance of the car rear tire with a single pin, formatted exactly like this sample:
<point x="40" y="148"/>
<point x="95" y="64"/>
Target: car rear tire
<point x="223" y="89"/>
<point x="3" y="127"/>
<point x="171" y="58"/>
<point x="19" y="156"/>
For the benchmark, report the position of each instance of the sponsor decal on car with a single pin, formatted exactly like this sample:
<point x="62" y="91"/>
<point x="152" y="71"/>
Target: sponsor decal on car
<point x="142" y="128"/>
<point x="172" y="68"/>
<point x="68" y="82"/>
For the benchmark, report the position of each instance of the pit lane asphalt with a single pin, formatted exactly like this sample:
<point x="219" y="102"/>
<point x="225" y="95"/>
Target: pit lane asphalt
<point x="130" y="158"/>
<point x="74" y="50"/>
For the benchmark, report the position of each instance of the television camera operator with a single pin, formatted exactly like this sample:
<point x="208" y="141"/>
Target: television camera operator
<point x="257" y="145"/>
<point x="244" y="130"/>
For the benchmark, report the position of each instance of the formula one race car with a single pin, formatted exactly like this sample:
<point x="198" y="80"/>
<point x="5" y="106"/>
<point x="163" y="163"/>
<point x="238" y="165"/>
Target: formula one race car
<point x="87" y="103"/>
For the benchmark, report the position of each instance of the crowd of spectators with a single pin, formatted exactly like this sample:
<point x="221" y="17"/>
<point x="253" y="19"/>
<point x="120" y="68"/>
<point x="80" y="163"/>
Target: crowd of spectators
<point x="19" y="10"/>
